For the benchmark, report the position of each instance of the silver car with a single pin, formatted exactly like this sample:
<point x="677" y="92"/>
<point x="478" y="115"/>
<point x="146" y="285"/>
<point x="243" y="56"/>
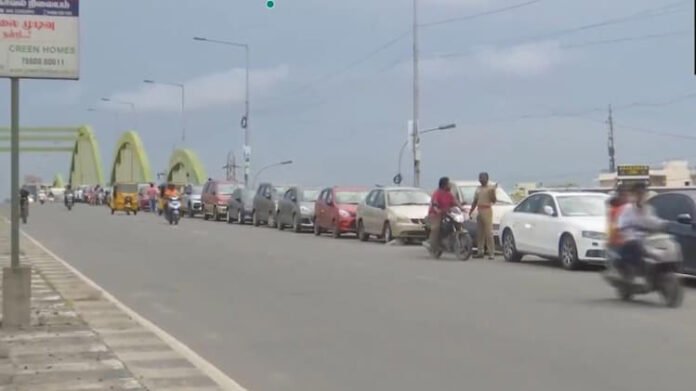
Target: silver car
<point x="240" y="206"/>
<point x="296" y="209"/>
<point x="266" y="204"/>
<point x="191" y="204"/>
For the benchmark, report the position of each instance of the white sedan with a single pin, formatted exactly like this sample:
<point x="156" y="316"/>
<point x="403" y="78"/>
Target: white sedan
<point x="570" y="227"/>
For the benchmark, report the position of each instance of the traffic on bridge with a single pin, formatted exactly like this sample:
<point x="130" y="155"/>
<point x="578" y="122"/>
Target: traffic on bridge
<point x="284" y="195"/>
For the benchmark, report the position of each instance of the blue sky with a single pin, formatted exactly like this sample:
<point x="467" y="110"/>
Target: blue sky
<point x="325" y="97"/>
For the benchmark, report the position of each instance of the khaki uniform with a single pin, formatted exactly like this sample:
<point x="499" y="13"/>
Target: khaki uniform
<point x="485" y="198"/>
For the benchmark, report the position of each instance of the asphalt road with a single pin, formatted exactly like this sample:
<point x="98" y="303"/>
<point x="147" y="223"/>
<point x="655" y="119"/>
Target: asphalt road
<point x="282" y="311"/>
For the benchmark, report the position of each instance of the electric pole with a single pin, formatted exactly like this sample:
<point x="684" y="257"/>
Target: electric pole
<point x="612" y="150"/>
<point x="231" y="167"/>
<point x="415" y="136"/>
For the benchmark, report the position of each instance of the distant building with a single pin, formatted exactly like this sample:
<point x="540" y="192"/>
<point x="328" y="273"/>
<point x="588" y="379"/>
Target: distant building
<point x="675" y="173"/>
<point x="522" y="190"/>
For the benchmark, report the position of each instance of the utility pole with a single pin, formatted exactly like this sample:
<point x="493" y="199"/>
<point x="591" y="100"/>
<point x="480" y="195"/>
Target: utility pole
<point x="231" y="167"/>
<point x="416" y="92"/>
<point x="612" y="150"/>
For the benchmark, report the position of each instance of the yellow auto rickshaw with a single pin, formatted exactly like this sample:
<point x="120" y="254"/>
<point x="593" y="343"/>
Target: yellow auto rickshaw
<point x="124" y="198"/>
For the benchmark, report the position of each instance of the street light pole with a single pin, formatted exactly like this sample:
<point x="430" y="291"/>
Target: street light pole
<point x="245" y="119"/>
<point x="439" y="128"/>
<point x="416" y="100"/>
<point x="117" y="117"/>
<point x="126" y="103"/>
<point x="183" y="104"/>
<point x="283" y="163"/>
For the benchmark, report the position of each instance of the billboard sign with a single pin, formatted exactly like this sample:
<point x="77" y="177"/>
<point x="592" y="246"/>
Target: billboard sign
<point x="39" y="39"/>
<point x="633" y="171"/>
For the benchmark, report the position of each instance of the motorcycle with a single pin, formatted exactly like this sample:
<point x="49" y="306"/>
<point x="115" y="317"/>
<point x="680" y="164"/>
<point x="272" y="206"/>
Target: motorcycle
<point x="42" y="198"/>
<point x="174" y="210"/>
<point x="454" y="238"/>
<point x="656" y="272"/>
<point x="51" y="197"/>
<point x="24" y="209"/>
<point x="69" y="201"/>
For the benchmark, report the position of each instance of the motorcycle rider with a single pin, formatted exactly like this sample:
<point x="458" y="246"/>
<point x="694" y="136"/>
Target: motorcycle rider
<point x="634" y="219"/>
<point x="441" y="201"/>
<point x="169" y="193"/>
<point x="68" y="190"/>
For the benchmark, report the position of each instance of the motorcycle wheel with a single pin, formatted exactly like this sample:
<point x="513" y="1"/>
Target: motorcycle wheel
<point x="624" y="292"/>
<point x="671" y="290"/>
<point x="463" y="246"/>
<point x="434" y="254"/>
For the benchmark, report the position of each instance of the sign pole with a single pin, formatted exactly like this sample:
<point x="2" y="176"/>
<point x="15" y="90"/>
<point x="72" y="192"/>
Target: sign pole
<point x="14" y="163"/>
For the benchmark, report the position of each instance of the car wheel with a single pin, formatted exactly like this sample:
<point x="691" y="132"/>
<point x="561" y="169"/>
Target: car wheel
<point x="335" y="231"/>
<point x="296" y="224"/>
<point x="387" y="234"/>
<point x="240" y="217"/>
<point x="229" y="217"/>
<point x="362" y="235"/>
<point x="568" y="253"/>
<point x="509" y="248"/>
<point x="255" y="219"/>
<point x="205" y="215"/>
<point x="279" y="224"/>
<point x="317" y="229"/>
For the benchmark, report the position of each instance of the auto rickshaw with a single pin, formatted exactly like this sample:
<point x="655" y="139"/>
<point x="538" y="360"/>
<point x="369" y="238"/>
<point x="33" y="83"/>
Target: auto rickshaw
<point x="124" y="198"/>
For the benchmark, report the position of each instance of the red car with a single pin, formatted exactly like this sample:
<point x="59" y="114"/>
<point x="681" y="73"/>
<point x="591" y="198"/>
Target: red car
<point x="214" y="198"/>
<point x="335" y="208"/>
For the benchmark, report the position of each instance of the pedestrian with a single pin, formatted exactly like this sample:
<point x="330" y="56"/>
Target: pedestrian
<point x="484" y="199"/>
<point x="152" y="197"/>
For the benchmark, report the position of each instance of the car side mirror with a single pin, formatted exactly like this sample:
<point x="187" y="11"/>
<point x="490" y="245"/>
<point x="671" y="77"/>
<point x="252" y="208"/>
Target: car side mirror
<point x="548" y="210"/>
<point x="685" y="218"/>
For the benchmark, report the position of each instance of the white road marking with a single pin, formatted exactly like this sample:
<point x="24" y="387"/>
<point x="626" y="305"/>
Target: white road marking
<point x="219" y="377"/>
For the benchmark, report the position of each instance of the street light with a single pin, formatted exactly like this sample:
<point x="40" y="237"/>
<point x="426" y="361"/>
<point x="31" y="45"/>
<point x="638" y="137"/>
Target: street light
<point x="183" y="104"/>
<point x="116" y="116"/>
<point x="123" y="102"/>
<point x="283" y="163"/>
<point x="403" y="147"/>
<point x="245" y="119"/>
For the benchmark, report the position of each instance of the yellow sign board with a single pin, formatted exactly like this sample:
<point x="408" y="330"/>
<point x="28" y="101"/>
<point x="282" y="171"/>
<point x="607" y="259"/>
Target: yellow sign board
<point x="633" y="170"/>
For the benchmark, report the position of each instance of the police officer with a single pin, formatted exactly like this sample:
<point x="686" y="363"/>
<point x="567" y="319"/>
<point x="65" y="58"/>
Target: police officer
<point x="484" y="199"/>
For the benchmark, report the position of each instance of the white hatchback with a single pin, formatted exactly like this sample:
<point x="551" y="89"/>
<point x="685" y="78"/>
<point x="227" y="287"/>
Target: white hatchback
<point x="570" y="227"/>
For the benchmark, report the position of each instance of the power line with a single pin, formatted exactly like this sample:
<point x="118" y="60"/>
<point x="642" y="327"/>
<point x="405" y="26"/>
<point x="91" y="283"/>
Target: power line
<point x="485" y="13"/>
<point x="625" y="39"/>
<point x="644" y="14"/>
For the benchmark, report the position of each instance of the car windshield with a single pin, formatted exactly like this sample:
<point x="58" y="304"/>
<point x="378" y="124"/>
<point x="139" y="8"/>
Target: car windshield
<point x="226" y="189"/>
<point x="582" y="205"/>
<point x="310" y="195"/>
<point x="408" y="197"/>
<point x="349" y="197"/>
<point x="468" y="192"/>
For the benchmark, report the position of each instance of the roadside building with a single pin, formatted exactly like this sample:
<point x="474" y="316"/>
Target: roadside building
<point x="675" y="173"/>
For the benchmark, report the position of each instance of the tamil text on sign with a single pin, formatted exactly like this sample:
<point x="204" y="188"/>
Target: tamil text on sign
<point x="39" y="39"/>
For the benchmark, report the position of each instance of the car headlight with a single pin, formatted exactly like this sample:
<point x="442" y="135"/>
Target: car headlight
<point x="594" y="235"/>
<point x="343" y="213"/>
<point x="304" y="209"/>
<point x="402" y="219"/>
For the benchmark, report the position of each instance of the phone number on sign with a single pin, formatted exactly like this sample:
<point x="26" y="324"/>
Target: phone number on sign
<point x="43" y="61"/>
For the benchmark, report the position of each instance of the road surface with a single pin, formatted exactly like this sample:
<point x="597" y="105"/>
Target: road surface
<point x="283" y="311"/>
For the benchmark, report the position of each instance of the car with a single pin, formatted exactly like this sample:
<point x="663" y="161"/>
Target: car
<point x="296" y="209"/>
<point x="335" y="210"/>
<point x="393" y="213"/>
<point x="265" y="204"/>
<point x="570" y="227"/>
<point x="191" y="204"/>
<point x="465" y="191"/>
<point x="240" y="206"/>
<point x="214" y="197"/>
<point x="679" y="208"/>
<point x="143" y="200"/>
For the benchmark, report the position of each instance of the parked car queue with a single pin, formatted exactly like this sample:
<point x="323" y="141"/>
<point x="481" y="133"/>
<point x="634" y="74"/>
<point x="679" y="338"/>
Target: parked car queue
<point x="566" y="227"/>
